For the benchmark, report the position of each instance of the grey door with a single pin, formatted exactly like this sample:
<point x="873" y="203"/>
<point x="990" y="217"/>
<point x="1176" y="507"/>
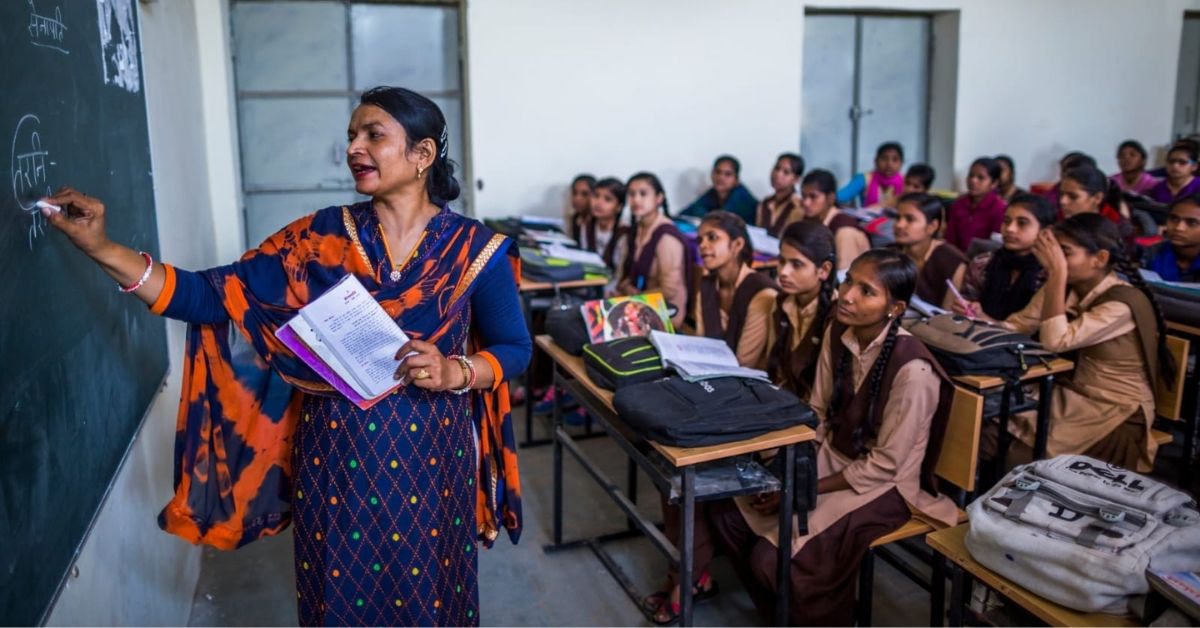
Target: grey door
<point x="299" y="67"/>
<point x="866" y="81"/>
<point x="1187" y="85"/>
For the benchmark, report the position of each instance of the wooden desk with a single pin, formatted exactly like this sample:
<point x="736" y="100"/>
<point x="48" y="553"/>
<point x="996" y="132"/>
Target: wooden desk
<point x="528" y="285"/>
<point x="1191" y="401"/>
<point x="570" y="372"/>
<point x="1042" y="373"/>
<point x="951" y="543"/>
<point x="1183" y="328"/>
<point x="529" y="290"/>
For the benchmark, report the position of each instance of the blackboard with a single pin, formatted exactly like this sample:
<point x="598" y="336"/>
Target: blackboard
<point x="79" y="362"/>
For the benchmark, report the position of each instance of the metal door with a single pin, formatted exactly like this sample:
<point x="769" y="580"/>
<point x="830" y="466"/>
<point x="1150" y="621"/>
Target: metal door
<point x="1187" y="85"/>
<point x="866" y="81"/>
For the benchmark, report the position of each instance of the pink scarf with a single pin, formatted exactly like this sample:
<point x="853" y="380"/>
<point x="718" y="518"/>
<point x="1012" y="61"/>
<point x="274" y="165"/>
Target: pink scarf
<point x="876" y="183"/>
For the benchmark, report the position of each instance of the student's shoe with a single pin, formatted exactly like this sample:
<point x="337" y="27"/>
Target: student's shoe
<point x="546" y="405"/>
<point x="577" y="417"/>
<point x="517" y="395"/>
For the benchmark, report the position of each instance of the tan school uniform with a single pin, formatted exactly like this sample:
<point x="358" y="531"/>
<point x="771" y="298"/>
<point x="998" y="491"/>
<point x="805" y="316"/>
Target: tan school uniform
<point x="666" y="274"/>
<point x="753" y="347"/>
<point x="1109" y="385"/>
<point x="894" y="460"/>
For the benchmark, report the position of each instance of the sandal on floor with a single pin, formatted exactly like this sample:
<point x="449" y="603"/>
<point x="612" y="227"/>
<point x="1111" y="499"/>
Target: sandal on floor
<point x="673" y="611"/>
<point x="651" y="603"/>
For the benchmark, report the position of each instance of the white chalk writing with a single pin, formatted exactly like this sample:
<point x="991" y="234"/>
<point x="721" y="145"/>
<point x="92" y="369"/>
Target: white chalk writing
<point x="122" y="51"/>
<point x="30" y="178"/>
<point x="46" y="31"/>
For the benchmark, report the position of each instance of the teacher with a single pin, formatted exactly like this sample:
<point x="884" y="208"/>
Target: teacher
<point x="388" y="502"/>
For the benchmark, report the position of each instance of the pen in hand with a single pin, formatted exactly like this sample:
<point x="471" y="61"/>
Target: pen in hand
<point x="966" y="305"/>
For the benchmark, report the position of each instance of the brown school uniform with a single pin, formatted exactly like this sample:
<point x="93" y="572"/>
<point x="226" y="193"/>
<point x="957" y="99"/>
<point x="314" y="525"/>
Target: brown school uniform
<point x="746" y="325"/>
<point x="849" y="239"/>
<point x="664" y="260"/>
<point x="889" y="483"/>
<point x="775" y="215"/>
<point x="794" y="343"/>
<point x="1105" y="408"/>
<point x="941" y="263"/>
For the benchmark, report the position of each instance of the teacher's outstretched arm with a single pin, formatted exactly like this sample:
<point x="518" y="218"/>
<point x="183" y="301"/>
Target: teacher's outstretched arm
<point x="82" y="220"/>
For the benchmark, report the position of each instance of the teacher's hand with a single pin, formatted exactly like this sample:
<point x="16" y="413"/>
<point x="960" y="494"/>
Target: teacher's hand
<point x="81" y="219"/>
<point x="427" y="368"/>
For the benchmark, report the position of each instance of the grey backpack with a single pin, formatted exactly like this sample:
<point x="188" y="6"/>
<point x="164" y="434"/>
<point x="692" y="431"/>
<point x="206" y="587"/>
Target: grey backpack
<point x="1081" y="532"/>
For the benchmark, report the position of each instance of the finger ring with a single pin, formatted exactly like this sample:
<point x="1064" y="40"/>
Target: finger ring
<point x="421" y="374"/>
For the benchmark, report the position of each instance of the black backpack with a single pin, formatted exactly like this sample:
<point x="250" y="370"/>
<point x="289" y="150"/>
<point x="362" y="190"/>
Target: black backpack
<point x="621" y="362"/>
<point x="972" y="347"/>
<point x="565" y="324"/>
<point x="675" y="412"/>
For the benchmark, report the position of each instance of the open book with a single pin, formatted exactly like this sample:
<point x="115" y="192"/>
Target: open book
<point x="347" y="338"/>
<point x="696" y="358"/>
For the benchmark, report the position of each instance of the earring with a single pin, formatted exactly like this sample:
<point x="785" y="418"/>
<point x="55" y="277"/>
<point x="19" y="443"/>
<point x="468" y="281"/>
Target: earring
<point x="420" y="172"/>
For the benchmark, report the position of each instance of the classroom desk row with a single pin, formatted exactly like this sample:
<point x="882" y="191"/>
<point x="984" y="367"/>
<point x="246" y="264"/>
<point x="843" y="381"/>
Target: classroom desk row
<point x="726" y="470"/>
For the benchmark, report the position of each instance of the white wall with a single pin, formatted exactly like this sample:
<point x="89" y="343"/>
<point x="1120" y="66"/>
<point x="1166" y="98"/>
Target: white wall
<point x="614" y="86"/>
<point x="611" y="87"/>
<point x="130" y="572"/>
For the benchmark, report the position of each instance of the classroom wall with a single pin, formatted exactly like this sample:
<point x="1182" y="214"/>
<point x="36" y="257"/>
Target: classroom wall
<point x="130" y="572"/>
<point x="620" y="85"/>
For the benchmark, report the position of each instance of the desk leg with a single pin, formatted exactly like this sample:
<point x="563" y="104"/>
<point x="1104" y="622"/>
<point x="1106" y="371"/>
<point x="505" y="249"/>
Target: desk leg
<point x="686" y="544"/>
<point x="937" y="591"/>
<point x="783" y="562"/>
<point x="1045" y="390"/>
<point x="558" y="463"/>
<point x="1191" y="395"/>
<point x="956" y="596"/>
<point x="631" y="483"/>
<point x="1003" y="439"/>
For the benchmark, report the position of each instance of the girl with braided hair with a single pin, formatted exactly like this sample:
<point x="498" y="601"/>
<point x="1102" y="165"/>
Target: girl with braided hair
<point x="882" y="401"/>
<point x="1106" y="407"/>
<point x="807" y="285"/>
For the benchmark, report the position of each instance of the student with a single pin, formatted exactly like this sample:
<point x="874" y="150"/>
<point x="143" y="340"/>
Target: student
<point x="807" y="283"/>
<point x="1181" y="178"/>
<point x="1105" y="408"/>
<point x="1007" y="187"/>
<point x="727" y="192"/>
<point x="734" y="301"/>
<point x="1131" y="158"/>
<point x="978" y="213"/>
<point x="782" y="208"/>
<point x="1073" y="159"/>
<point x="1085" y="190"/>
<point x="603" y="232"/>
<point x="582" y="188"/>
<point x="883" y="402"/>
<point x="919" y="217"/>
<point x="1001" y="282"/>
<point x="919" y="179"/>
<point x="818" y="196"/>
<point x="658" y="256"/>
<point x="1177" y="258"/>
<point x="880" y="187"/>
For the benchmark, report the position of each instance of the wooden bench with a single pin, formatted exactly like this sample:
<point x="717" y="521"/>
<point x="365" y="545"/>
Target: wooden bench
<point x="957" y="462"/>
<point x="951" y="543"/>
<point x="1168" y="395"/>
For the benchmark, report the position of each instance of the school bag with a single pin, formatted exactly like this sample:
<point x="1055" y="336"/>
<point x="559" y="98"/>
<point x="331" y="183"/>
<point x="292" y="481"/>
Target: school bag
<point x="679" y="413"/>
<point x="565" y="324"/>
<point x="1081" y="532"/>
<point x="973" y="347"/>
<point x="622" y="362"/>
<point x="538" y="266"/>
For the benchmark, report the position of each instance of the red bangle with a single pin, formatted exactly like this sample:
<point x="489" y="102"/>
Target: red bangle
<point x="145" y="274"/>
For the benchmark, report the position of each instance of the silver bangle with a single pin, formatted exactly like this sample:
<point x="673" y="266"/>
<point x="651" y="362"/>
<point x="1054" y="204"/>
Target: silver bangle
<point x="470" y="371"/>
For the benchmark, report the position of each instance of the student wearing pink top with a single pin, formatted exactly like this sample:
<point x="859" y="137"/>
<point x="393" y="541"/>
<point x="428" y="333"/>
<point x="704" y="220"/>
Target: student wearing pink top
<point x="980" y="212"/>
<point x="1131" y="157"/>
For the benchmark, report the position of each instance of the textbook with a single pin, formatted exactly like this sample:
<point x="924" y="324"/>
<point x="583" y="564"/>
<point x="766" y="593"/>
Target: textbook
<point x="349" y="340"/>
<point x="621" y="317"/>
<point x="695" y="357"/>
<point x="763" y="242"/>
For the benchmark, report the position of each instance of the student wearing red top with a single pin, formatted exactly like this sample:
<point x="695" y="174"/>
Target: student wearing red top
<point x="1085" y="190"/>
<point x="980" y="212"/>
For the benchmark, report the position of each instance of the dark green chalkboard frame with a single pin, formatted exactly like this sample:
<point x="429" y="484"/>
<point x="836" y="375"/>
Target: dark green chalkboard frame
<point x="80" y="363"/>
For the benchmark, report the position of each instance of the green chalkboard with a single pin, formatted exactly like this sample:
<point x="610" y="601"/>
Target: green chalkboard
<point x="79" y="362"/>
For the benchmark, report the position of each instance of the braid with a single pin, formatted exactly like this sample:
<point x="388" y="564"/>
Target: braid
<point x="1165" y="362"/>
<point x="833" y="416"/>
<point x="868" y="428"/>
<point x="824" y="304"/>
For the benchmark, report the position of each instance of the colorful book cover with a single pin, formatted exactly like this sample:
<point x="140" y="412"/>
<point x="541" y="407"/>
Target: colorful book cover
<point x="621" y="317"/>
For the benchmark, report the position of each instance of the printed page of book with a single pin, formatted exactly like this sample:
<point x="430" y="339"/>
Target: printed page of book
<point x="696" y="357"/>
<point x="309" y="336"/>
<point x="359" y="333"/>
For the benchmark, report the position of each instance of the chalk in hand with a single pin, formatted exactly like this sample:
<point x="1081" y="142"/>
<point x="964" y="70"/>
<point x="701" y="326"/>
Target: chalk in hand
<point x="49" y="206"/>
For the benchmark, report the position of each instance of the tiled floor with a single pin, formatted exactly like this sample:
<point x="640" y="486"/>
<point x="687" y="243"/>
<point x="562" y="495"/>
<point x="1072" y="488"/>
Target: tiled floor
<point x="521" y="585"/>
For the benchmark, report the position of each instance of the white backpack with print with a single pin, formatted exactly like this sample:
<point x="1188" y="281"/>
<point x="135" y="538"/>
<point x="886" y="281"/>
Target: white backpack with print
<point x="1081" y="532"/>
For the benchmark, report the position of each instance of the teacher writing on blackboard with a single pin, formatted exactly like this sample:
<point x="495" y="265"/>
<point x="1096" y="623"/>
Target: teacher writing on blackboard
<point x="388" y="502"/>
